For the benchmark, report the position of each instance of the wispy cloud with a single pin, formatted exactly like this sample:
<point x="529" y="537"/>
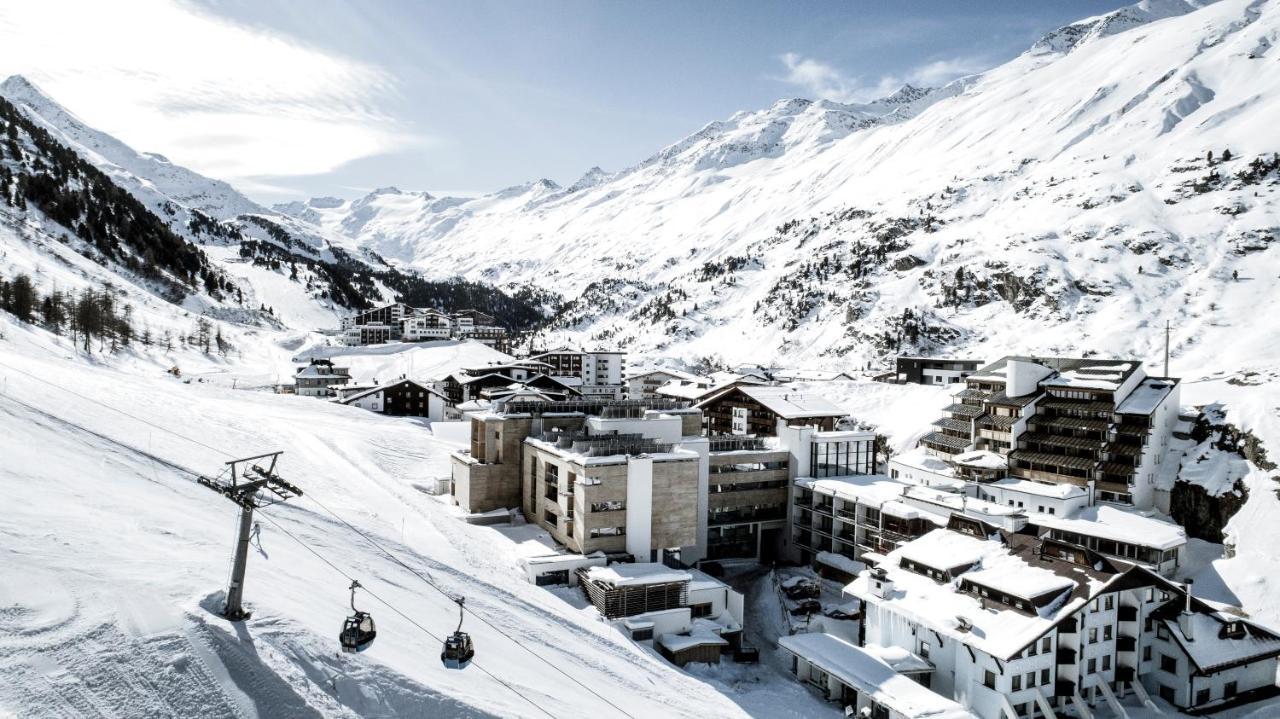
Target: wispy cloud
<point x="225" y="99"/>
<point x="822" y="80"/>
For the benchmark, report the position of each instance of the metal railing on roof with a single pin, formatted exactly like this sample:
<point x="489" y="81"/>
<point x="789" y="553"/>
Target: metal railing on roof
<point x="729" y="443"/>
<point x="597" y="407"/>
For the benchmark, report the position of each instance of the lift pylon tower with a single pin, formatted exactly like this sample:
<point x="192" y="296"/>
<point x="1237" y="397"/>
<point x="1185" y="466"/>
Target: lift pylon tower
<point x="241" y="481"/>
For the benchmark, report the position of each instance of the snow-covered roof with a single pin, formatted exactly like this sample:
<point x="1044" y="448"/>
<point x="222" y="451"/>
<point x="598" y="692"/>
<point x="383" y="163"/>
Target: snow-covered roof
<point x="1081" y="373"/>
<point x="699" y="580"/>
<point x="317" y="371"/>
<point x="960" y="503"/>
<point x="639" y="573"/>
<point x="1120" y="525"/>
<point x="923" y="459"/>
<point x="945" y="550"/>
<point x="787" y="402"/>
<point x="810" y="375"/>
<point x="680" y="642"/>
<point x="840" y="562"/>
<point x="1147" y="396"/>
<point x="1210" y="649"/>
<point x="685" y="389"/>
<point x="898" y="658"/>
<point x="678" y="374"/>
<point x="874" y="489"/>
<point x="995" y="628"/>
<point x="1041" y="489"/>
<point x="1019" y="579"/>
<point x="982" y="459"/>
<point x="871" y="676"/>
<point x="360" y="395"/>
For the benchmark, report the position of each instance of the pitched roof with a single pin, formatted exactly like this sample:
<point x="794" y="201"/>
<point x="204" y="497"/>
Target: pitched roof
<point x="872" y="676"/>
<point x="1020" y="565"/>
<point x="397" y="383"/>
<point x="786" y="402"/>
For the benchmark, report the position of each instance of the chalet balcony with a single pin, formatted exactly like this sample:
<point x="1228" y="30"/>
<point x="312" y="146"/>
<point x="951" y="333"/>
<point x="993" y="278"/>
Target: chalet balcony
<point x="1077" y="405"/>
<point x="997" y="423"/>
<point x="1126" y="643"/>
<point x="1126" y="429"/>
<point x="1127" y="613"/>
<point x="1066" y="655"/>
<point x="955" y="425"/>
<point x="960" y="411"/>
<point x="1052" y="442"/>
<point x="945" y="442"/>
<point x="1074" y="424"/>
<point x="847" y="536"/>
<point x="848" y="514"/>
<point x="824" y="508"/>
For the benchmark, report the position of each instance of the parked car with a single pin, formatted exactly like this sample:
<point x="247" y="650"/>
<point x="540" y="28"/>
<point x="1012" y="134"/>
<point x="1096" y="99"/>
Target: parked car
<point x="803" y="591"/>
<point x="806" y="607"/>
<point x="842" y="613"/>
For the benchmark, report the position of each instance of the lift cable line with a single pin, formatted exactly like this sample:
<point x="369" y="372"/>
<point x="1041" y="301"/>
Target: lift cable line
<point x="396" y="609"/>
<point x="425" y="578"/>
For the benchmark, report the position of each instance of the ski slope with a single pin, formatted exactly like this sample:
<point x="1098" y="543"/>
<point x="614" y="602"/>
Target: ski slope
<point x="122" y="557"/>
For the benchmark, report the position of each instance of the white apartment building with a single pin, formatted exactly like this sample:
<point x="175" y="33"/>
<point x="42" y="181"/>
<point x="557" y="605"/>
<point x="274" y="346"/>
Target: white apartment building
<point x="400" y="322"/>
<point x="598" y="373"/>
<point x="320" y="378"/>
<point x="1101" y="425"/>
<point x="1015" y="626"/>
<point x="644" y="385"/>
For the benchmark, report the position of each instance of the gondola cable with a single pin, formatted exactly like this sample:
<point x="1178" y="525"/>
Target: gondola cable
<point x="366" y="537"/>
<point x="396" y="609"/>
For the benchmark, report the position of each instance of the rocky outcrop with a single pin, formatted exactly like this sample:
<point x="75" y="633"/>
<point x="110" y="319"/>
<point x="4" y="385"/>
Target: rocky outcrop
<point x="1203" y="515"/>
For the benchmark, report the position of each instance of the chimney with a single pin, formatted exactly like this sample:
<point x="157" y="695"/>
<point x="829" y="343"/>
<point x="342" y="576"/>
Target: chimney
<point x="881" y="585"/>
<point x="1185" y="618"/>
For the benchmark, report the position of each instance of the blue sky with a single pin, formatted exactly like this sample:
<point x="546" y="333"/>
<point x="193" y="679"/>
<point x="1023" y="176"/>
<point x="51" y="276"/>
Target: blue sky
<point x="314" y="97"/>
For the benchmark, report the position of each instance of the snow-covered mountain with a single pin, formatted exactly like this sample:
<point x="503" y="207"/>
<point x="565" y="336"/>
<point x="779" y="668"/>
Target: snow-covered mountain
<point x="1065" y="202"/>
<point x="298" y="273"/>
<point x="1068" y="188"/>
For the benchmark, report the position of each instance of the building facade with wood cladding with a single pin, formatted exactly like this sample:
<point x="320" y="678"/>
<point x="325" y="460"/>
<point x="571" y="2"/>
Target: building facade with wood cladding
<point x="755" y="410"/>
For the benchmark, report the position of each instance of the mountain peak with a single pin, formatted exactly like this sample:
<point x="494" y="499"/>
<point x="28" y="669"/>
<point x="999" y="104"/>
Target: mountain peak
<point x="18" y="89"/>
<point x="20" y="85"/>
<point x="590" y="178"/>
<point x="1069" y="37"/>
<point x="906" y="93"/>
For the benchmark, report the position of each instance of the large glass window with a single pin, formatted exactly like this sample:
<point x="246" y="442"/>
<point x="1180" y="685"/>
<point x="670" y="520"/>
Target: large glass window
<point x="840" y="459"/>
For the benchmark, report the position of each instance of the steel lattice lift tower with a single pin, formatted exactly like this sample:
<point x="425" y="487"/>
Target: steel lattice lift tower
<point x="247" y="479"/>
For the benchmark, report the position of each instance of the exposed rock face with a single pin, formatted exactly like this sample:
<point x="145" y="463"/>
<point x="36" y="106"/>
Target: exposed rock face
<point x="1203" y="515"/>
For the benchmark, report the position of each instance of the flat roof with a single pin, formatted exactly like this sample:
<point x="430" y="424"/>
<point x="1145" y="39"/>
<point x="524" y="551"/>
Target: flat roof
<point x="1041" y="489"/>
<point x="638" y="573"/>
<point x="1107" y="522"/>
<point x="1147" y="396"/>
<point x="872" y="676"/>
